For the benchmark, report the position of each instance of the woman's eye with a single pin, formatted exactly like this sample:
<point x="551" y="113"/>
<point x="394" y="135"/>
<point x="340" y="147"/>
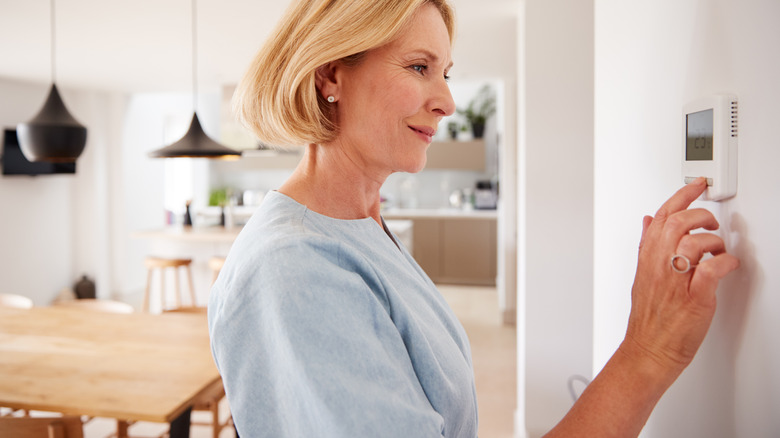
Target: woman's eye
<point x="419" y="68"/>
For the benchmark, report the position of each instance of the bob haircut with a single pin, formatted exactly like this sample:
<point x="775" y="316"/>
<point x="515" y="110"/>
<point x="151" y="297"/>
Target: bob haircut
<point x="277" y="98"/>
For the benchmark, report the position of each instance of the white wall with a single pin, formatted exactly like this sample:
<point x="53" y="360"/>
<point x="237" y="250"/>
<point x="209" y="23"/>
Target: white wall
<point x="645" y="70"/>
<point x="556" y="207"/>
<point x="151" y="120"/>
<point x="486" y="50"/>
<point x="53" y="227"/>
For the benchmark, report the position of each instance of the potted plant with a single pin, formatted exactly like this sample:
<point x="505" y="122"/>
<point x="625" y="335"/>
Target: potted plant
<point x="479" y="110"/>
<point x="452" y="128"/>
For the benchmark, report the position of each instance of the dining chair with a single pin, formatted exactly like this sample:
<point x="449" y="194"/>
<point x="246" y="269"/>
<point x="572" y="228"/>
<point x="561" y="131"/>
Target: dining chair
<point x="16" y="301"/>
<point x="209" y="399"/>
<point x="41" y="427"/>
<point x="97" y="305"/>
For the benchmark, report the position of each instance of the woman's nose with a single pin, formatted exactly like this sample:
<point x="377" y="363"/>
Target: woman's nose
<point x="442" y="102"/>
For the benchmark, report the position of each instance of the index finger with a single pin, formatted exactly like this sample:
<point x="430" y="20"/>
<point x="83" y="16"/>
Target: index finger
<point x="682" y="199"/>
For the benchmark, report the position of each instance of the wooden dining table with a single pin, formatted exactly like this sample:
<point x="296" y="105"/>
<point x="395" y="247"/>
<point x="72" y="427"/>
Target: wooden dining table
<point x="131" y="367"/>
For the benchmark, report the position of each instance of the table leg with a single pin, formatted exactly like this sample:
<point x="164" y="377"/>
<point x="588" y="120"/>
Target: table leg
<point x="121" y="428"/>
<point x="180" y="427"/>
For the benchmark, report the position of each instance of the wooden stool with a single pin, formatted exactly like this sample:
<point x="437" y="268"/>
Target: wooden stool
<point x="215" y="264"/>
<point x="162" y="264"/>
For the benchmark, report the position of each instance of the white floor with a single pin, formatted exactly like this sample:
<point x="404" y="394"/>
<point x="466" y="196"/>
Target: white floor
<point x="494" y="355"/>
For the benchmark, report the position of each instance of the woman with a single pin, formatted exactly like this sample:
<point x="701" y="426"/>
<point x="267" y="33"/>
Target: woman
<point x="323" y="325"/>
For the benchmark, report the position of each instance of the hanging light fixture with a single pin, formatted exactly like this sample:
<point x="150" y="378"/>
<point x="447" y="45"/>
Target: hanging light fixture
<point x="53" y="135"/>
<point x="195" y="143"/>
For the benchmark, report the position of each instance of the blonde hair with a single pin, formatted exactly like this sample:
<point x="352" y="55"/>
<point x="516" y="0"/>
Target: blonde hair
<point x="277" y="98"/>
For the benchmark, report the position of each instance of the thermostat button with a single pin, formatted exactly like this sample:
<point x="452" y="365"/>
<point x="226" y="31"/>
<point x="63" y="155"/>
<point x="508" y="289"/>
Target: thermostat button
<point x="690" y="179"/>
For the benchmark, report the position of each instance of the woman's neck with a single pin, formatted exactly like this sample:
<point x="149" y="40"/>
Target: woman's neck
<point x="327" y="182"/>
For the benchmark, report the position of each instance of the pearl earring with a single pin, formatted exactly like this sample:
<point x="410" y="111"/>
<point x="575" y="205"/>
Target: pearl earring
<point x="331" y="99"/>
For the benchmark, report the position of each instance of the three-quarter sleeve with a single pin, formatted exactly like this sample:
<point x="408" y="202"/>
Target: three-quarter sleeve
<point x="307" y="347"/>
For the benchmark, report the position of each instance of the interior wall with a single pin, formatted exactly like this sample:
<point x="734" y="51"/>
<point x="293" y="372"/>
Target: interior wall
<point x="556" y="207"/>
<point x="487" y="50"/>
<point x="151" y="121"/>
<point x="92" y="190"/>
<point x="645" y="71"/>
<point x="50" y="225"/>
<point x="56" y="228"/>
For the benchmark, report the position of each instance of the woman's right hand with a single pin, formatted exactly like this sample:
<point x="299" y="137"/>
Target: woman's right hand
<point x="671" y="311"/>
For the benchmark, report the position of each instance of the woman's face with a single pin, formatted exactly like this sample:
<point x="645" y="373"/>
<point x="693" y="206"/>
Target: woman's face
<point x="390" y="104"/>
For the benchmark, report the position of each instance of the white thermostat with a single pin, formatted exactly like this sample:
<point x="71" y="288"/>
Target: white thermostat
<point x="710" y="144"/>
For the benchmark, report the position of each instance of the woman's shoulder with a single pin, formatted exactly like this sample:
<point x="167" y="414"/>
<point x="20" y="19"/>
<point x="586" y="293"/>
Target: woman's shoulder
<point x="280" y="226"/>
<point x="279" y="257"/>
<point x="283" y="232"/>
<point x="284" y="244"/>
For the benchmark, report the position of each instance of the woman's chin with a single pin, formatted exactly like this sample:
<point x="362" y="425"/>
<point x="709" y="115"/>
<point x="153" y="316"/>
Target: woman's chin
<point x="416" y="166"/>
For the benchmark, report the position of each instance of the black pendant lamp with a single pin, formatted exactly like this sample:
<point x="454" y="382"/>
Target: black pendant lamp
<point x="195" y="143"/>
<point x="53" y="135"/>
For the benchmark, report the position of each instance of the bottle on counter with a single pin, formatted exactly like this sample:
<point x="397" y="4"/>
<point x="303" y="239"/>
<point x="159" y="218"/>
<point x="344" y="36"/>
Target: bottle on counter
<point x="187" y="216"/>
<point x="468" y="199"/>
<point x="227" y="214"/>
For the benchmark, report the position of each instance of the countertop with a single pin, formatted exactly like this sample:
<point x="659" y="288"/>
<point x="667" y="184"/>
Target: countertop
<point x="241" y="214"/>
<point x="218" y="234"/>
<point x="205" y="234"/>
<point x="438" y="213"/>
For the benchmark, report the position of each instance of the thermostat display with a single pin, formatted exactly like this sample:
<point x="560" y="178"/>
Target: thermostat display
<point x="710" y="144"/>
<point x="698" y="141"/>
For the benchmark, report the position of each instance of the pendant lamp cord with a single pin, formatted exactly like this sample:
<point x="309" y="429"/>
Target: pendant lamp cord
<point x="194" y="56"/>
<point x="53" y="49"/>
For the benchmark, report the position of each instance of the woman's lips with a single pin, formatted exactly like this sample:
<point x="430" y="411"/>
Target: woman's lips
<point x="424" y="132"/>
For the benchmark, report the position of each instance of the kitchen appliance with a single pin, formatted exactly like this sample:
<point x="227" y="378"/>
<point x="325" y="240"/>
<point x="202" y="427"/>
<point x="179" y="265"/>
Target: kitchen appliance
<point x="485" y="196"/>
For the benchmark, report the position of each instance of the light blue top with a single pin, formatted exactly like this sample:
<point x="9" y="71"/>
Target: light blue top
<point x="323" y="327"/>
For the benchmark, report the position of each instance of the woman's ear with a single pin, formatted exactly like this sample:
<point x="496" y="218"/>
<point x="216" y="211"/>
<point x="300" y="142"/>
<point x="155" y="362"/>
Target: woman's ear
<point x="325" y="80"/>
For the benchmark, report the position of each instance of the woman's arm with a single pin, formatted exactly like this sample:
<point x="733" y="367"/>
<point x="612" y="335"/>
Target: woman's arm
<point x="670" y="314"/>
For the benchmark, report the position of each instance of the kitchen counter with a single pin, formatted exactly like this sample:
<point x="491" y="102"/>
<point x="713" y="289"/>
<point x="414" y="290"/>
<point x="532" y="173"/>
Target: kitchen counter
<point x="438" y="213"/>
<point x="200" y="243"/>
<point x="214" y="234"/>
<point x="223" y="235"/>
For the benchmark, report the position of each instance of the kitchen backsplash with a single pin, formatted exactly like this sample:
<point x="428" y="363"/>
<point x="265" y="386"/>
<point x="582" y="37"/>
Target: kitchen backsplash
<point x="427" y="189"/>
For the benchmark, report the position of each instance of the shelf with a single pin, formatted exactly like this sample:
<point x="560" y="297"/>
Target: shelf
<point x="252" y="160"/>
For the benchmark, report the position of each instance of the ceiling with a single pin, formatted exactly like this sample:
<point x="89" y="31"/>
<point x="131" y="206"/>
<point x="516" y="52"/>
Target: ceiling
<point x="146" y="45"/>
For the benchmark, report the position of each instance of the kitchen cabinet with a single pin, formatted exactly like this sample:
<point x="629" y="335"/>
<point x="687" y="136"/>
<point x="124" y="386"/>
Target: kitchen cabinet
<point x="456" y="250"/>
<point x="441" y="155"/>
<point x="457" y="155"/>
<point x="255" y="159"/>
<point x="427" y="243"/>
<point x="468" y="251"/>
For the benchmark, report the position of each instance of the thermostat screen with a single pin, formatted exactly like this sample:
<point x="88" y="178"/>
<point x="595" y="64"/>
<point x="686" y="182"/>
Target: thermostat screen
<point x="698" y="142"/>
